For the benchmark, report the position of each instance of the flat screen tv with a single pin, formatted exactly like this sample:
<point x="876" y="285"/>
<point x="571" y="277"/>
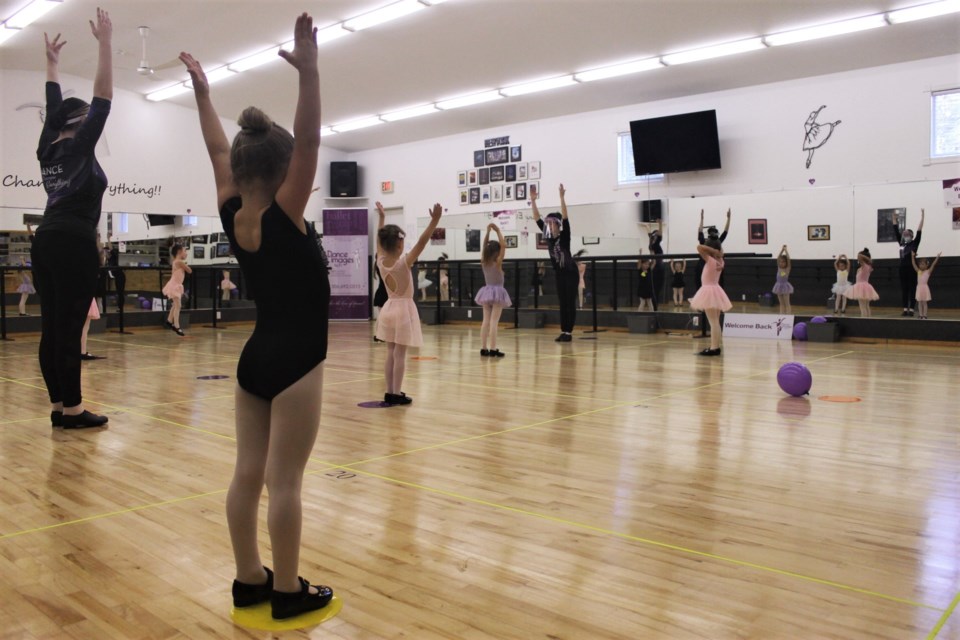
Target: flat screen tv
<point x="160" y="221"/>
<point x="672" y="144"/>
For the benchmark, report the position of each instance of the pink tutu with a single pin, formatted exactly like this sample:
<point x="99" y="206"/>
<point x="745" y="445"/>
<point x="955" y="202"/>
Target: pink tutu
<point x="94" y="312"/>
<point x="173" y="290"/>
<point x="862" y="291"/>
<point x="399" y="322"/>
<point x="494" y="295"/>
<point x="26" y="288"/>
<point x="711" y="296"/>
<point x="923" y="293"/>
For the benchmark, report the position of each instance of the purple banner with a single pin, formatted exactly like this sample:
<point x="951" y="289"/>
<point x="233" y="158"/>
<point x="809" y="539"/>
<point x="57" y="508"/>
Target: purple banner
<point x="346" y="242"/>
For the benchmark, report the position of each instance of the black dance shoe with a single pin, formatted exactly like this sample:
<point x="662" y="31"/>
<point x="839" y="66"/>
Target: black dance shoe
<point x="56" y="418"/>
<point x="178" y="331"/>
<point x="84" y="420"/>
<point x="709" y="352"/>
<point x="247" y="595"/>
<point x="397" y="398"/>
<point x="288" y="605"/>
<point x="484" y="352"/>
<point x="496" y="353"/>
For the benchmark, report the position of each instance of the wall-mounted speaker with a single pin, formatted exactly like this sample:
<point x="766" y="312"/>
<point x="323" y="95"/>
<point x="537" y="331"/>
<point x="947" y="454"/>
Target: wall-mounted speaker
<point x="343" y="179"/>
<point x="651" y="210"/>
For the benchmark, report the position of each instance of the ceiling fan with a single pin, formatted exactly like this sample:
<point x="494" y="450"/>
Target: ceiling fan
<point x="144" y="68"/>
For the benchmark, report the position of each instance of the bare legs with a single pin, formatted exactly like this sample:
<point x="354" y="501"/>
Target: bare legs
<point x="274" y="442"/>
<point x="922" y="306"/>
<point x="678" y="296"/>
<point x="491" y="322"/>
<point x="395" y="366"/>
<point x="784" y="299"/>
<point x="840" y="304"/>
<point x="713" y="317"/>
<point x="173" y="317"/>
<point x="646" y="304"/>
<point x="23" y="303"/>
<point x="83" y="336"/>
<point x="864" y="308"/>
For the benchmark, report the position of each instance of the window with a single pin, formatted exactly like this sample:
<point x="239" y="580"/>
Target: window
<point x="626" y="174"/>
<point x="190" y="221"/>
<point x="945" y="124"/>
<point x="123" y="223"/>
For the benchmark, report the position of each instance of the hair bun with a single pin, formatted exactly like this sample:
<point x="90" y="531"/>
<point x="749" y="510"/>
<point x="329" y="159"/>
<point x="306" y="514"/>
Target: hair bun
<point x="253" y="120"/>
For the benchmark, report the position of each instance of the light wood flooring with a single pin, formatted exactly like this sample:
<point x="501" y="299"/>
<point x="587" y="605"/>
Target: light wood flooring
<point x="617" y="487"/>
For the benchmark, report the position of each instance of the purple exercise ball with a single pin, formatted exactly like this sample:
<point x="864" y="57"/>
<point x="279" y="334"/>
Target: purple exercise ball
<point x="145" y="304"/>
<point x="800" y="331"/>
<point x="795" y="379"/>
<point x="818" y="320"/>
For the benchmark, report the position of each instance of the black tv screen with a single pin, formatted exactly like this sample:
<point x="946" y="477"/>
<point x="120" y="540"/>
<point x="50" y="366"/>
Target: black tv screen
<point x="671" y="144"/>
<point x="160" y="221"/>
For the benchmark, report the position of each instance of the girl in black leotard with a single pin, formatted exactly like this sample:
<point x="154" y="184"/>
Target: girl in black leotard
<point x="64" y="252"/>
<point x="263" y="184"/>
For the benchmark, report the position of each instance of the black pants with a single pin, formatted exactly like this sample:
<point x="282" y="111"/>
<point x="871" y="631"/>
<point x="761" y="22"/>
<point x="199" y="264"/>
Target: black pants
<point x="120" y="284"/>
<point x="908" y="286"/>
<point x="567" y="284"/>
<point x="65" y="274"/>
<point x="657" y="283"/>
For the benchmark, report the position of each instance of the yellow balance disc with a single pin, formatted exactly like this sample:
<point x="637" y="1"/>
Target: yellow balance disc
<point x="259" y="617"/>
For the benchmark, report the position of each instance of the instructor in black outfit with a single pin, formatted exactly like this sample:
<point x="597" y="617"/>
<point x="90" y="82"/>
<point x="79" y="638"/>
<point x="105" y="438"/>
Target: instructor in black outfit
<point x="711" y="233"/>
<point x="64" y="253"/>
<point x="908" y="277"/>
<point x="556" y="231"/>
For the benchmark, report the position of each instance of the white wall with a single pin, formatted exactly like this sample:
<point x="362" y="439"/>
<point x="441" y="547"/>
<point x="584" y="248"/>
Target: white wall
<point x="877" y="158"/>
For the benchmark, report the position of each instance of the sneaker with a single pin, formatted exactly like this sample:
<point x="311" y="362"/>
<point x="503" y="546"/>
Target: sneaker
<point x="484" y="352"/>
<point x="247" y="595"/>
<point x="83" y="421"/>
<point x="496" y="353"/>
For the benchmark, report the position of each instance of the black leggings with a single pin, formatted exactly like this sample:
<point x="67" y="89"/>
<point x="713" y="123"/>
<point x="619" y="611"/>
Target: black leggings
<point x="908" y="286"/>
<point x="567" y="284"/>
<point x="65" y="274"/>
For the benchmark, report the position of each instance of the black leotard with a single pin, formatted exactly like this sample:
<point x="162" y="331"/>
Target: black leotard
<point x="290" y="336"/>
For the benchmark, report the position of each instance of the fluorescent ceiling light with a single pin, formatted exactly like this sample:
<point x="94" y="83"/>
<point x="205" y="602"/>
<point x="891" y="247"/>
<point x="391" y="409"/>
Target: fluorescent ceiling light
<point x="412" y="112"/>
<point x="327" y="131"/>
<point x="6" y="34"/>
<point x="931" y="10"/>
<point x="718" y="51"/>
<point x="466" y="101"/>
<point x="384" y="14"/>
<point x="539" y="85"/>
<point x="255" y="60"/>
<point x="826" y="30"/>
<point x="361" y="123"/>
<point x="618" y="70"/>
<point x="217" y="75"/>
<point x="168" y="92"/>
<point x="331" y="33"/>
<point x="31" y="12"/>
<point x="430" y="3"/>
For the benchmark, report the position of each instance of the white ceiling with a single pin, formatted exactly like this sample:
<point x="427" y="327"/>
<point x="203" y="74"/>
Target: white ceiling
<point x="464" y="46"/>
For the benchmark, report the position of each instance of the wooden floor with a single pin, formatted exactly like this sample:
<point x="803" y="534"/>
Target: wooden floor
<point x="614" y="487"/>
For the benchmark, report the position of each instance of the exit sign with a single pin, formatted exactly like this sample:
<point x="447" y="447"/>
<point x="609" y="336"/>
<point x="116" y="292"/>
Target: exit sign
<point x="386" y="187"/>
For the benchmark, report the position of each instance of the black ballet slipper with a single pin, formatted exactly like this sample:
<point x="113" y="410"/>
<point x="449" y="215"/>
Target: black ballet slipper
<point x="397" y="398"/>
<point x="56" y="418"/>
<point x="496" y="353"/>
<point x="709" y="352"/>
<point x="178" y="331"/>
<point x="288" y="605"/>
<point x="247" y="595"/>
<point x="84" y="421"/>
<point x="484" y="352"/>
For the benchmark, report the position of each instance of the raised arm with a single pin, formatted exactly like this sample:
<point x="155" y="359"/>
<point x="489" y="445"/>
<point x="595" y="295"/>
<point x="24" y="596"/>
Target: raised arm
<point x="381" y="216"/>
<point x="297" y="186"/>
<point x="683" y="265"/>
<point x="533" y="202"/>
<point x="920" y="226"/>
<point x="103" y="32"/>
<point x="726" y="227"/>
<point x="865" y="259"/>
<point x="53" y="56"/>
<point x="896" y="228"/>
<point x="786" y="254"/>
<point x="708" y="252"/>
<point x="486" y="236"/>
<point x="503" y="244"/>
<point x="935" y="261"/>
<point x="414" y="253"/>
<point x="218" y="147"/>
<point x="700" y="228"/>
<point x="563" y="202"/>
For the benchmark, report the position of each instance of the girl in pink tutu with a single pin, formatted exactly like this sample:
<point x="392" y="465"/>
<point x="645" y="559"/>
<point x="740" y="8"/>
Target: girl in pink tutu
<point x="26" y="288"/>
<point x="842" y="286"/>
<point x="924" y="271"/>
<point x="492" y="296"/>
<point x="782" y="287"/>
<point x="862" y="291"/>
<point x="399" y="321"/>
<point x="92" y="314"/>
<point x="174" y="287"/>
<point x="711" y="298"/>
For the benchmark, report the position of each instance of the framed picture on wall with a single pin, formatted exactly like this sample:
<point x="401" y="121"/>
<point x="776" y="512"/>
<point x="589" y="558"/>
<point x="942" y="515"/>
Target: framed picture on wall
<point x="515" y="155"/>
<point x="483" y="175"/>
<point x="439" y="236"/>
<point x="478" y="158"/>
<point x="511" y="173"/>
<point x="464" y="197"/>
<point x="496" y="173"/>
<point x="533" y="170"/>
<point x="496" y="155"/>
<point x="956" y="217"/>
<point x="521" y="191"/>
<point x="472" y="177"/>
<point x="586" y="240"/>
<point x="511" y="242"/>
<point x="818" y="232"/>
<point x="885" y="223"/>
<point x="484" y="194"/>
<point x="198" y="252"/>
<point x="474" y="195"/>
<point x="496" y="193"/>
<point x="223" y="250"/>
<point x="508" y="192"/>
<point x="198" y="240"/>
<point x="473" y="240"/>
<point x="461" y="178"/>
<point x="532" y="188"/>
<point x="541" y="242"/>
<point x="757" y="230"/>
<point x="522" y="171"/>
